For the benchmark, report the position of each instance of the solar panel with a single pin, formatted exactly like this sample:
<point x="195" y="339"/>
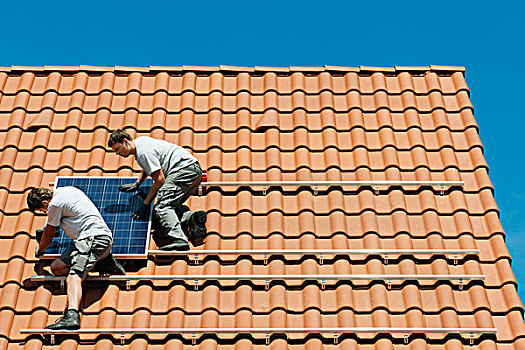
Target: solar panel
<point x="130" y="237"/>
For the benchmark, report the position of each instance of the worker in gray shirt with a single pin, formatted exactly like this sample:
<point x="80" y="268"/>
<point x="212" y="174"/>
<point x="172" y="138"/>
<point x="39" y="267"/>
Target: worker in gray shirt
<point x="176" y="175"/>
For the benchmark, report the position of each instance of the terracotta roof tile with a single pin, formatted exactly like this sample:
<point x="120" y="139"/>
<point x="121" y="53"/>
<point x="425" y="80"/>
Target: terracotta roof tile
<point x="277" y="124"/>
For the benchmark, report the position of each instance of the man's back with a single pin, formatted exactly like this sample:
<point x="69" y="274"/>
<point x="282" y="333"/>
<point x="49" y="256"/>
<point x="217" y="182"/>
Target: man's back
<point x="75" y="213"/>
<point x="153" y="154"/>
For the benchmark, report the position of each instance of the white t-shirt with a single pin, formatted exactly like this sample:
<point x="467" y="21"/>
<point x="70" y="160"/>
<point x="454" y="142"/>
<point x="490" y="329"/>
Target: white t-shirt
<point x="153" y="154"/>
<point x="76" y="214"/>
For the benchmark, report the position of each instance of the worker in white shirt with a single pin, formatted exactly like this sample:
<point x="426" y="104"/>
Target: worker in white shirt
<point x="69" y="208"/>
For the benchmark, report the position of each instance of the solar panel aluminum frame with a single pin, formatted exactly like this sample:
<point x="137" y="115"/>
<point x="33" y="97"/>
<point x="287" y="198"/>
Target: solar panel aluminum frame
<point x="118" y="256"/>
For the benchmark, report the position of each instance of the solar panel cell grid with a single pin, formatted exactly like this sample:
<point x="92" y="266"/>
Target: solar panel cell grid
<point x="130" y="237"/>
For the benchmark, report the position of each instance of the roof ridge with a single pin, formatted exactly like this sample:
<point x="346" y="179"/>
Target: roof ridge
<point x="237" y="69"/>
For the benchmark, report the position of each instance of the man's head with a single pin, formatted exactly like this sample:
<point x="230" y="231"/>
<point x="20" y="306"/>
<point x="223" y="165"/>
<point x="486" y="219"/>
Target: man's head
<point x="121" y="142"/>
<point x="38" y="199"/>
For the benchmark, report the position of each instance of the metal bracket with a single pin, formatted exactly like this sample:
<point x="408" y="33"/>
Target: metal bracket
<point x="471" y="338"/>
<point x="376" y="188"/>
<point x="62" y="285"/>
<point x="442" y="190"/>
<point x="196" y="285"/>
<point x="265" y="259"/>
<point x="196" y="259"/>
<point x="267" y="338"/>
<point x="264" y="190"/>
<point x="389" y="284"/>
<point x="460" y="284"/>
<point x="323" y="284"/>
<point x="52" y="339"/>
<point x="267" y="285"/>
<point x="456" y="259"/>
<point x="336" y="338"/>
<point x="122" y="339"/>
<point x="316" y="190"/>
<point x="193" y="338"/>
<point x="385" y="259"/>
<point x="128" y="285"/>
<point x="200" y="190"/>
<point x="321" y="259"/>
<point x="405" y="338"/>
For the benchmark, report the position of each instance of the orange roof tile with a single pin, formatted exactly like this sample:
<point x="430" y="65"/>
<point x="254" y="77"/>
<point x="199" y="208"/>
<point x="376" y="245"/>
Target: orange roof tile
<point x="278" y="124"/>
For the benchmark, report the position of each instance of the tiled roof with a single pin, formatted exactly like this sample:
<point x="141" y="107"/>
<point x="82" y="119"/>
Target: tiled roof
<point x="277" y="124"/>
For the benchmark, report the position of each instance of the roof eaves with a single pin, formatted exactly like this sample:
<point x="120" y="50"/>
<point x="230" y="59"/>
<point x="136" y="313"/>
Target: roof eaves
<point x="61" y="68"/>
<point x="341" y="69"/>
<point x="131" y="69"/>
<point x="26" y="69"/>
<point x="366" y="69"/>
<point x="272" y="69"/>
<point x="236" y="69"/>
<point x="409" y="69"/>
<point x="199" y="69"/>
<point x="447" y="69"/>
<point x="306" y="69"/>
<point x="164" y="69"/>
<point x="85" y="68"/>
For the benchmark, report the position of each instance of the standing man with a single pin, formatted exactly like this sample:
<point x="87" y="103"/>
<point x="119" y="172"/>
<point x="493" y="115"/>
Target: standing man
<point x="176" y="175"/>
<point x="70" y="208"/>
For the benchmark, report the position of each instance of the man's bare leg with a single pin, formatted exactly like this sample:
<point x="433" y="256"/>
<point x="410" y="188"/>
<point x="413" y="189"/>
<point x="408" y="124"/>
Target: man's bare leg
<point x="74" y="291"/>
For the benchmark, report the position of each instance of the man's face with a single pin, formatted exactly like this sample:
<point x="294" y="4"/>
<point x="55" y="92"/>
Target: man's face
<point x="122" y="149"/>
<point x="43" y="210"/>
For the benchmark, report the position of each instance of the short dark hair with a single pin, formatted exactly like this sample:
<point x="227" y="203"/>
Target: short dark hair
<point x="36" y="196"/>
<point x="119" y="136"/>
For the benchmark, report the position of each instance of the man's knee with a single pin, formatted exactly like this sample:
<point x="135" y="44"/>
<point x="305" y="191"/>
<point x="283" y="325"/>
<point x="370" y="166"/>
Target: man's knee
<point x="59" y="268"/>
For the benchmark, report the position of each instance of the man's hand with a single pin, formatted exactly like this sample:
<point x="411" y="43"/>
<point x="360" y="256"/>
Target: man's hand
<point x="38" y="253"/>
<point x="142" y="213"/>
<point x="129" y="187"/>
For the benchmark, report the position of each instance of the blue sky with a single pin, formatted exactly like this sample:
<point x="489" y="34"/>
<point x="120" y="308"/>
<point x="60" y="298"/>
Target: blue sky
<point x="485" y="37"/>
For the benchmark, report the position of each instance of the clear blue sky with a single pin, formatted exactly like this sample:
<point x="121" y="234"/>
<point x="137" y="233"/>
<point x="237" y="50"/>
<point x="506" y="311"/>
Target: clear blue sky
<point x="483" y="36"/>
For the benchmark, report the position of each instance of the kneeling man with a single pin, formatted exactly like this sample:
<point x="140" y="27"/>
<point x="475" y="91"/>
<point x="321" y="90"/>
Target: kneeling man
<point x="70" y="208"/>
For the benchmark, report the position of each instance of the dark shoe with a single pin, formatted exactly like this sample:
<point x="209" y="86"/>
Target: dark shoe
<point x="109" y="266"/>
<point x="70" y="321"/>
<point x="197" y="227"/>
<point x="179" y="246"/>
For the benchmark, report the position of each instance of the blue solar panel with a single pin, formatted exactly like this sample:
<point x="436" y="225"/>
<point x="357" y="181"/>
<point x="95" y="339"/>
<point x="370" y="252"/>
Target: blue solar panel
<point x="130" y="237"/>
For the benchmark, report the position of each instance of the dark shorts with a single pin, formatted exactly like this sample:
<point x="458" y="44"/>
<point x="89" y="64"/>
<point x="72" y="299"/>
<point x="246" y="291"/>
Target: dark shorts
<point x="84" y="255"/>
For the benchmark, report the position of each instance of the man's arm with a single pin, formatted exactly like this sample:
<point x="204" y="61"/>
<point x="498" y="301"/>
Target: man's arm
<point x="132" y="187"/>
<point x="144" y="211"/>
<point x="47" y="238"/>
<point x="142" y="177"/>
<point x="158" y="181"/>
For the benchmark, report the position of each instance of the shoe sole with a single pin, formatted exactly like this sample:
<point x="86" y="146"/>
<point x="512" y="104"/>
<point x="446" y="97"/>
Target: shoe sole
<point x="112" y="267"/>
<point x="64" y="328"/>
<point x="199" y="219"/>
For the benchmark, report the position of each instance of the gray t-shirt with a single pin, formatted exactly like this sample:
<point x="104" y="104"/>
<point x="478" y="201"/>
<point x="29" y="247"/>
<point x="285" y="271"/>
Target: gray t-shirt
<point x="153" y="154"/>
<point x="76" y="214"/>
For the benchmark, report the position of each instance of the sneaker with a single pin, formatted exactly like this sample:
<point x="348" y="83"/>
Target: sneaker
<point x="109" y="266"/>
<point x="180" y="246"/>
<point x="197" y="227"/>
<point x="70" y="321"/>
